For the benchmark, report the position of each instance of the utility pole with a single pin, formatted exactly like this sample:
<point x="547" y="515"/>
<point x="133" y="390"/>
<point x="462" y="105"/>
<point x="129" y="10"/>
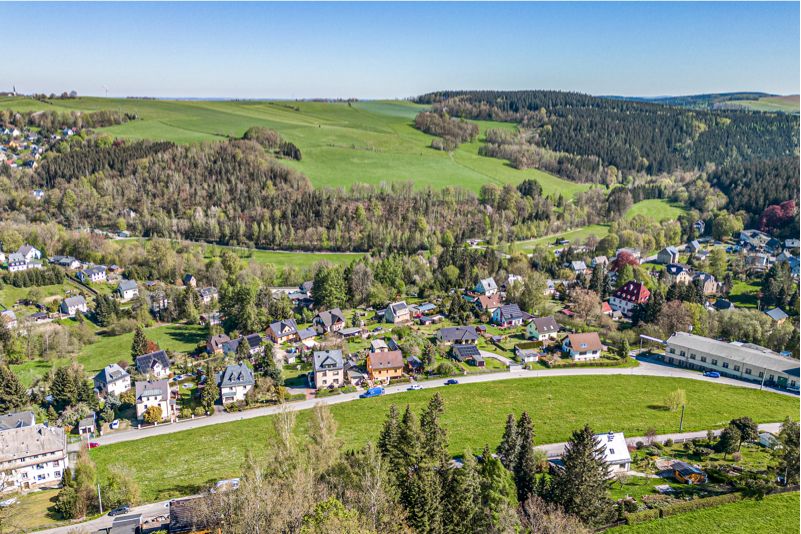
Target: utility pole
<point x="681" y="421"/>
<point x="99" y="498"/>
<point x="762" y="384"/>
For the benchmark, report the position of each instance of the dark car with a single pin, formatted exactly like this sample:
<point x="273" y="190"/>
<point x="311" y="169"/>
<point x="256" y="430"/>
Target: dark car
<point x="119" y="511"/>
<point x="451" y="382"/>
<point x="712" y="374"/>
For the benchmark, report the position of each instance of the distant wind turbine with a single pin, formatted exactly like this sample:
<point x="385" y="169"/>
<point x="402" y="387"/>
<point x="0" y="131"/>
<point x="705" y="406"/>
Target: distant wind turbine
<point x="106" y="88"/>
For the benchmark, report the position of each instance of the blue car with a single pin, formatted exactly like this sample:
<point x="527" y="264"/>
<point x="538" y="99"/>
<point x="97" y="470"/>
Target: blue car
<point x="372" y="392"/>
<point x="451" y="382"/>
<point x="712" y="374"/>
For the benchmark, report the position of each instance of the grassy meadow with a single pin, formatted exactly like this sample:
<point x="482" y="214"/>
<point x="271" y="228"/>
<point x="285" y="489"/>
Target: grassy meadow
<point x="342" y="143"/>
<point x="657" y="209"/>
<point x="777" y="514"/>
<point x="474" y="416"/>
<point x="782" y="104"/>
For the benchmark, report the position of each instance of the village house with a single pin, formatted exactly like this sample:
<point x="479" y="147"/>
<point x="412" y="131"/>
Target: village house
<point x="156" y="393"/>
<point x="379" y="345"/>
<point x="777" y="314"/>
<point x="283" y="331"/>
<point x="457" y="334"/>
<point x="9" y="318"/>
<point x="158" y="301"/>
<point x="486" y="286"/>
<point x="72" y="305"/>
<point x="208" y="295"/>
<point x="17" y="263"/>
<point x="112" y="380"/>
<point x="32" y="456"/>
<point x="745" y="361"/>
<point x="688" y="474"/>
<point x="511" y="280"/>
<point x="507" y="316"/>
<point x="329" y="321"/>
<point x="254" y="343"/>
<point x="599" y="260"/>
<point x="155" y="364"/>
<point x="29" y="252"/>
<point x="678" y="274"/>
<point x="127" y="290"/>
<point x="615" y="452"/>
<point x="631" y="295"/>
<point x="235" y="381"/>
<point x="467" y="353"/>
<point x="668" y="255"/>
<point x="397" y="313"/>
<point x="215" y="343"/>
<point x="707" y="282"/>
<point x="583" y="347"/>
<point x="385" y="365"/>
<point x="579" y="268"/>
<point x="485" y="304"/>
<point x="68" y="262"/>
<point x="328" y="369"/>
<point x="542" y="328"/>
<point x="189" y="281"/>
<point x="94" y="274"/>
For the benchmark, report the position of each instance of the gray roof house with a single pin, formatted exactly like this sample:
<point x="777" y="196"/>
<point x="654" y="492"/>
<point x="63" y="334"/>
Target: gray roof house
<point x="156" y="363"/>
<point x="329" y="320"/>
<point x="234" y="382"/>
<point x="72" y="305"/>
<point x="327" y="360"/>
<point x="777" y="314"/>
<point x="109" y="375"/>
<point x="17" y="420"/>
<point x="457" y="334"/>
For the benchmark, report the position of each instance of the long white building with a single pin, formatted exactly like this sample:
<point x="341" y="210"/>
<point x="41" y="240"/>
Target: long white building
<point x="31" y="457"/>
<point x="736" y="360"/>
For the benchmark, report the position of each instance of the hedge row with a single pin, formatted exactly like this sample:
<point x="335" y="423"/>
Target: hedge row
<point x="591" y="363"/>
<point x="681" y="507"/>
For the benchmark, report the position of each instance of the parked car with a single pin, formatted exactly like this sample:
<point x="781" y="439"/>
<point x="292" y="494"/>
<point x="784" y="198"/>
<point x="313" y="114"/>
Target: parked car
<point x="712" y="374"/>
<point x="372" y="392"/>
<point x="93" y="444"/>
<point x="119" y="511"/>
<point x="415" y="387"/>
<point x="451" y="382"/>
<point x="115" y="424"/>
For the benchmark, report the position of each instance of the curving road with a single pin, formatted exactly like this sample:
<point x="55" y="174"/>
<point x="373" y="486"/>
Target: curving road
<point x="646" y="368"/>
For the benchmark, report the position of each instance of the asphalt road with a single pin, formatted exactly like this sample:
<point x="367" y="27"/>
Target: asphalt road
<point x="148" y="511"/>
<point x="646" y="368"/>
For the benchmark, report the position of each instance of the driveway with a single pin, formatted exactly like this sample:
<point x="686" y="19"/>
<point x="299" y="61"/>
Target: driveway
<point x="148" y="511"/>
<point x="646" y="368"/>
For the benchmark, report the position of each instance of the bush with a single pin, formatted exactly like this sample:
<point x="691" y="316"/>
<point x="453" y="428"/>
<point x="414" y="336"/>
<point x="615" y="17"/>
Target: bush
<point x="200" y="411"/>
<point x="668" y="442"/>
<point x="642" y="517"/>
<point x="186" y="413"/>
<point x="562" y="364"/>
<point x="640" y="445"/>
<point x="446" y="369"/>
<point x="698" y="504"/>
<point x="296" y="397"/>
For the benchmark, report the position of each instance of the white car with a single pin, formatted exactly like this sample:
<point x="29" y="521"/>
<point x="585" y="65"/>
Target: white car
<point x="414" y="387"/>
<point x="115" y="424"/>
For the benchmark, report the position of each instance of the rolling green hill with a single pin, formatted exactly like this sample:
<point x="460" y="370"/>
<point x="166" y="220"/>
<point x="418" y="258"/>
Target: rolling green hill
<point x="342" y="143"/>
<point x="783" y="104"/>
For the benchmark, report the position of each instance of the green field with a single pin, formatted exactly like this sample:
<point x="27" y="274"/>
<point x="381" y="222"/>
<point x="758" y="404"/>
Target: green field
<point x="784" y="104"/>
<point x="106" y="350"/>
<point x="777" y="514"/>
<point x="574" y="236"/>
<point x="298" y="260"/>
<point x="744" y="295"/>
<point x="656" y="209"/>
<point x="474" y="416"/>
<point x="342" y="144"/>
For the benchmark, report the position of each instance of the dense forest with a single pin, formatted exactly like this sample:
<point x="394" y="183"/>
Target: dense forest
<point x="630" y="135"/>
<point x="755" y="185"/>
<point x="50" y="121"/>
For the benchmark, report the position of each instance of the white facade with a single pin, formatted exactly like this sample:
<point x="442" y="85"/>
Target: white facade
<point x="33" y="456"/>
<point x="616" y="452"/>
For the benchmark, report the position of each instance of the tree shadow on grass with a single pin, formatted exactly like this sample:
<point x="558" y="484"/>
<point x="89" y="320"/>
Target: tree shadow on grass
<point x="658" y="407"/>
<point x="183" y="490"/>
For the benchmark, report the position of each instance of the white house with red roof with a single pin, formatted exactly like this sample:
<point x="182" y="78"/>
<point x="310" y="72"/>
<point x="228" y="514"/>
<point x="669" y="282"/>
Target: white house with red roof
<point x="630" y="295"/>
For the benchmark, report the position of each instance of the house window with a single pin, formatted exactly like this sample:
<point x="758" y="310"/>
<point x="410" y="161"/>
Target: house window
<point x="673" y="351"/>
<point x="748" y="370"/>
<point x="682" y="353"/>
<point x="714" y="362"/>
<point x="761" y="374"/>
<point x="692" y="356"/>
<point x="703" y="358"/>
<point x="725" y="365"/>
<point x="736" y="367"/>
<point x="57" y="474"/>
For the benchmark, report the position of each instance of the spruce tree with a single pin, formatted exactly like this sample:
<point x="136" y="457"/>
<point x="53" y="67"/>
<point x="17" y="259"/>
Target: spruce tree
<point x="210" y="390"/>
<point x="12" y="393"/>
<point x="462" y="499"/>
<point x="435" y="440"/>
<point x="507" y="448"/>
<point x="388" y="440"/>
<point x="243" y="350"/>
<point x="525" y="467"/>
<point x="581" y="487"/>
<point x="498" y="491"/>
<point x="139" y="343"/>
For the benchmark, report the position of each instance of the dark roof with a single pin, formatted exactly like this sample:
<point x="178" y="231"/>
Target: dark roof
<point x="145" y="362"/>
<point x="111" y="373"/>
<point x="546" y="325"/>
<point x="510" y="312"/>
<point x="236" y="375"/>
<point x="685" y="469"/>
<point x="328" y="360"/>
<point x="307" y="333"/>
<point x="152" y="389"/>
<point x="777" y="314"/>
<point x="457" y="333"/>
<point x="16" y="420"/>
<point x="465" y="352"/>
<point x="126" y="285"/>
<point x="331" y="317"/>
<point x="279" y="326"/>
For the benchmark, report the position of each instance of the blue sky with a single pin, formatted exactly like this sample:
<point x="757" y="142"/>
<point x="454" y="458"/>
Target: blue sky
<point x="366" y="50"/>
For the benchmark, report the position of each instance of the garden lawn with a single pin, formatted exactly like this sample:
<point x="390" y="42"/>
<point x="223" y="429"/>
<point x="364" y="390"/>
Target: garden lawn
<point x="743" y="294"/>
<point x="342" y="143"/>
<point x="777" y="514"/>
<point x="576" y="235"/>
<point x="656" y="209"/>
<point x="474" y="416"/>
<point x="106" y="350"/>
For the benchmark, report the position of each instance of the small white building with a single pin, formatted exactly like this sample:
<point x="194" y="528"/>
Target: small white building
<point x="29" y="252"/>
<point x="616" y="452"/>
<point x="72" y="305"/>
<point x="235" y="381"/>
<point x="112" y="380"/>
<point x="486" y="286"/>
<point x="93" y="274"/>
<point x="33" y="456"/>
<point x="127" y="290"/>
<point x="583" y="347"/>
